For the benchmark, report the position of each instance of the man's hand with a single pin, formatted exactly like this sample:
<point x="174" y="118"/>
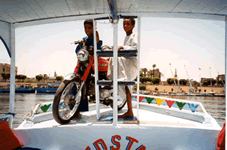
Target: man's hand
<point x="82" y="41"/>
<point x="120" y="47"/>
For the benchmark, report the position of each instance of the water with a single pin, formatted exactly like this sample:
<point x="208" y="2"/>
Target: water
<point x="23" y="104"/>
<point x="215" y="106"/>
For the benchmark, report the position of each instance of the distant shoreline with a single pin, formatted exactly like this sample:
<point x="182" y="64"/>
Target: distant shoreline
<point x="168" y="88"/>
<point x="149" y="88"/>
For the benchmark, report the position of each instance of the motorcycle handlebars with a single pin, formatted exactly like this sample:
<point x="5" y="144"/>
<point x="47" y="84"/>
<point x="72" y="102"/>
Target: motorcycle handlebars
<point x="77" y="42"/>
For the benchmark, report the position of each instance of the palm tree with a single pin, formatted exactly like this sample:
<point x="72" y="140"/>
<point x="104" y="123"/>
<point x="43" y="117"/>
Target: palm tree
<point x="144" y="71"/>
<point x="45" y="76"/>
<point x="154" y="65"/>
<point x="150" y="72"/>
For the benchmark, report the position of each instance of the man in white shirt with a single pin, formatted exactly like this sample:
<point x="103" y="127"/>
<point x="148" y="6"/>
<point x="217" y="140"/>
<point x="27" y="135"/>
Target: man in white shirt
<point x="127" y="66"/>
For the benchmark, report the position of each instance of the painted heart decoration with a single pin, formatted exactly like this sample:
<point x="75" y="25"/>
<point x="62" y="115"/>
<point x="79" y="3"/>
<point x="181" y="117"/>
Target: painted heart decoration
<point x="45" y="107"/>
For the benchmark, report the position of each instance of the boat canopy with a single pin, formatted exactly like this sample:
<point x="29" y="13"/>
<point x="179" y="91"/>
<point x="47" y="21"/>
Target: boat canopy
<point x="21" y="13"/>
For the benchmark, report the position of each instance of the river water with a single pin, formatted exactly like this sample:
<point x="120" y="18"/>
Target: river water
<point x="215" y="106"/>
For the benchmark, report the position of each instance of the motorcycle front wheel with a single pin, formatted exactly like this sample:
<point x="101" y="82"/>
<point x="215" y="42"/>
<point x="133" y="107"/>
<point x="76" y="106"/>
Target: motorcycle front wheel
<point x="65" y="103"/>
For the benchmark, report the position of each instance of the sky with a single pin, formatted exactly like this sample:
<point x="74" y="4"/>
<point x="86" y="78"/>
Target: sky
<point x="188" y="44"/>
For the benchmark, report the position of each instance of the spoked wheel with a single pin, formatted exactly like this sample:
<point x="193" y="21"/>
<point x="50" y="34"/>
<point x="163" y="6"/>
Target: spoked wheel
<point x="120" y="103"/>
<point x="66" y="102"/>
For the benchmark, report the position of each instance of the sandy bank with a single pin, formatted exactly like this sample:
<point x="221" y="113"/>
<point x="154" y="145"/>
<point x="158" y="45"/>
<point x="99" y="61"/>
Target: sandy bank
<point x="167" y="88"/>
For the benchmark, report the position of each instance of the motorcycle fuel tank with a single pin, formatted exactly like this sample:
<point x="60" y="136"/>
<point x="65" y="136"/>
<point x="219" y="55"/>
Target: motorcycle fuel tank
<point x="102" y="64"/>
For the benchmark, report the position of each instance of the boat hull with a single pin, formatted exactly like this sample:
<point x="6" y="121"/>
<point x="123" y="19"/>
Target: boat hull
<point x="19" y="90"/>
<point x="46" y="90"/>
<point x="72" y="137"/>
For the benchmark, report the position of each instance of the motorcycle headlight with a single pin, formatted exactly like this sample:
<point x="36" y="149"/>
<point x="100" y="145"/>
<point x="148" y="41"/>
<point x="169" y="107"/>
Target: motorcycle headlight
<point x="82" y="55"/>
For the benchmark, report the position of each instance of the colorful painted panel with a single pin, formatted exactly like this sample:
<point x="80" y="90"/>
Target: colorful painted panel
<point x="164" y="103"/>
<point x="193" y="107"/>
<point x="170" y="103"/>
<point x="149" y="99"/>
<point x="159" y="101"/>
<point x="144" y="100"/>
<point x="45" y="107"/>
<point x="186" y="106"/>
<point x="140" y="98"/>
<point x="180" y="105"/>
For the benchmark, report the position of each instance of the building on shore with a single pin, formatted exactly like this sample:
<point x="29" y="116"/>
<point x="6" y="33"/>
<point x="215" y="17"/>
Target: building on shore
<point x="156" y="73"/>
<point x="218" y="78"/>
<point x="51" y="79"/>
<point x="4" y="67"/>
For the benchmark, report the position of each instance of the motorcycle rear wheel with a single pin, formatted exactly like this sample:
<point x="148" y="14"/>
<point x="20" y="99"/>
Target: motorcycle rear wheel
<point x="64" y="102"/>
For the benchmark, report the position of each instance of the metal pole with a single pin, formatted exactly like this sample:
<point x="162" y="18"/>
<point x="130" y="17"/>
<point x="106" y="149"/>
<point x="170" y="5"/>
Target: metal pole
<point x="188" y="80"/>
<point x="164" y="79"/>
<point x="173" y="77"/>
<point x="178" y="83"/>
<point x="96" y="72"/>
<point x="200" y="81"/>
<point x="225" y="59"/>
<point x="138" y="64"/>
<point x="210" y="80"/>
<point x="162" y="82"/>
<point x="163" y="75"/>
<point x="115" y="83"/>
<point x="12" y="73"/>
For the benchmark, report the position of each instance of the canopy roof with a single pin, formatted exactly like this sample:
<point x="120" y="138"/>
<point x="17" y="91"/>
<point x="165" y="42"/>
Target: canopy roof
<point x="42" y="11"/>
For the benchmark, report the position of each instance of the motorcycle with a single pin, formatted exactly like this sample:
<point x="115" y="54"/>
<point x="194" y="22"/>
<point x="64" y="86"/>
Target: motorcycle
<point x="80" y="84"/>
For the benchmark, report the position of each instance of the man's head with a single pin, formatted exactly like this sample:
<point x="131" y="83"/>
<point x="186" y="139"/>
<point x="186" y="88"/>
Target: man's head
<point x="128" y="25"/>
<point x="88" y="27"/>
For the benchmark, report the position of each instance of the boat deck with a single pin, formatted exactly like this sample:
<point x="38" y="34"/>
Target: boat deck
<point x="146" y="117"/>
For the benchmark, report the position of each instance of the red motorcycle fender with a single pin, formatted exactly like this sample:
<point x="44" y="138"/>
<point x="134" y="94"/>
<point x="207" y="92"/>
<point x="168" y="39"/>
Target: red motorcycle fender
<point x="87" y="71"/>
<point x="77" y="67"/>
